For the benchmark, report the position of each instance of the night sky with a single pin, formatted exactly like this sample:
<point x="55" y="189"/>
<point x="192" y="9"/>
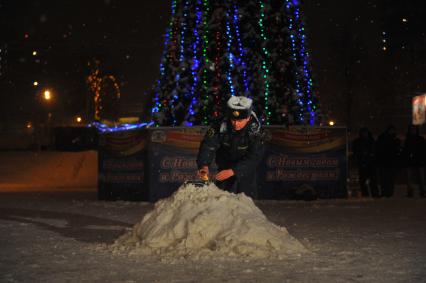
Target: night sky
<point x="126" y="37"/>
<point x="368" y="57"/>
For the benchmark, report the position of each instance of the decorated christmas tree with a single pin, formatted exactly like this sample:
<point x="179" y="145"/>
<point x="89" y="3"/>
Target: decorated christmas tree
<point x="215" y="49"/>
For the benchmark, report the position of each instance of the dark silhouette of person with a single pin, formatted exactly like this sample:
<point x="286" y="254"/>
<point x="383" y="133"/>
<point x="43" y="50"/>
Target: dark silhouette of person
<point x="363" y="150"/>
<point x="413" y="154"/>
<point x="388" y="149"/>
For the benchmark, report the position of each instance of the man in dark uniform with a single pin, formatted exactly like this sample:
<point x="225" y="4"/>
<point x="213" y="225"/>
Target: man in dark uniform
<point x="236" y="144"/>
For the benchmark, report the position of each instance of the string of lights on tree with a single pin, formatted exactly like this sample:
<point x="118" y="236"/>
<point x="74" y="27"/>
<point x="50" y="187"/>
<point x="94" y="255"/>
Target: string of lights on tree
<point x="195" y="63"/>
<point x="304" y="86"/>
<point x="241" y="50"/>
<point x="206" y="11"/>
<point x="97" y="81"/>
<point x="215" y="50"/>
<point x="265" y="59"/>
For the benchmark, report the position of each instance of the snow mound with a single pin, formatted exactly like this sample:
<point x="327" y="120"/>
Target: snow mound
<point x="197" y="223"/>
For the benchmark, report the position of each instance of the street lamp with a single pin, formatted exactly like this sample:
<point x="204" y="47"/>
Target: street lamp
<point x="47" y="95"/>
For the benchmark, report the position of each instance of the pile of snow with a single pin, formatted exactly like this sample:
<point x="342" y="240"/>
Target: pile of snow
<point x="202" y="223"/>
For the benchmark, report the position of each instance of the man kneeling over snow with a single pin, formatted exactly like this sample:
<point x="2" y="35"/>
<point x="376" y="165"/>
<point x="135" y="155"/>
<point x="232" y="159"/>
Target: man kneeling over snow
<point x="236" y="144"/>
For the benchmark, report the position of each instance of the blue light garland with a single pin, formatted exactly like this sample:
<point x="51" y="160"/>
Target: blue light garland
<point x="183" y="25"/>
<point x="206" y="61"/>
<point x="229" y="53"/>
<point x="298" y="92"/>
<point x="241" y="50"/>
<point x="304" y="56"/>
<point x="300" y="55"/>
<point x="195" y="62"/>
<point x="118" y="128"/>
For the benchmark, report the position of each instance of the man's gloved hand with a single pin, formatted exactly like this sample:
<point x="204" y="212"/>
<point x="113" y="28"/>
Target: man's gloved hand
<point x="203" y="173"/>
<point x="224" y="174"/>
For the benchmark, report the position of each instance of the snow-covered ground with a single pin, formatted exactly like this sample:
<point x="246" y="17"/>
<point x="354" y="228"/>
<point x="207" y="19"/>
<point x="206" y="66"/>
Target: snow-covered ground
<point x="52" y="228"/>
<point x="54" y="236"/>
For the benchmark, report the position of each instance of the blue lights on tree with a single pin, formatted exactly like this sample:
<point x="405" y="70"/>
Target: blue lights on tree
<point x="255" y="48"/>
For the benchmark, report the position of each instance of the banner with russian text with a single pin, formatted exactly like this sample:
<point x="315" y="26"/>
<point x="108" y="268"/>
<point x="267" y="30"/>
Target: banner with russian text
<point x="122" y="158"/>
<point x="304" y="162"/>
<point x="172" y="158"/>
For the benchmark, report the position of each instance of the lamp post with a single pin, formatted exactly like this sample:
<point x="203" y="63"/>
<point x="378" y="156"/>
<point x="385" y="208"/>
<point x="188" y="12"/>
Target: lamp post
<point x="47" y="98"/>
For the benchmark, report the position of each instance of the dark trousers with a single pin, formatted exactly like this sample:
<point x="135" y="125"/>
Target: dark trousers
<point x="247" y="185"/>
<point x="367" y="180"/>
<point x="387" y="180"/>
<point x="415" y="175"/>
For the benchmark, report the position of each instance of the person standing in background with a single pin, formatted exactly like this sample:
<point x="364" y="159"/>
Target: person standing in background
<point x="388" y="149"/>
<point x="363" y="149"/>
<point x="414" y="153"/>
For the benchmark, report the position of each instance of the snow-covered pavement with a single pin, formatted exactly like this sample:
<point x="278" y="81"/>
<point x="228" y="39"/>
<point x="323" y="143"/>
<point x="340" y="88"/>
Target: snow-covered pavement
<point x="55" y="237"/>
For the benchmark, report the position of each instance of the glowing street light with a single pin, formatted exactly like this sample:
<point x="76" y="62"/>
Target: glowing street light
<point x="331" y="123"/>
<point x="34" y="53"/>
<point x="35" y="83"/>
<point x="78" y="119"/>
<point x="47" y="95"/>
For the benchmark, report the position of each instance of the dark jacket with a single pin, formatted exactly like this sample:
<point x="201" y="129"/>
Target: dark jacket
<point x="240" y="150"/>
<point x="413" y="152"/>
<point x="388" y="149"/>
<point x="363" y="149"/>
